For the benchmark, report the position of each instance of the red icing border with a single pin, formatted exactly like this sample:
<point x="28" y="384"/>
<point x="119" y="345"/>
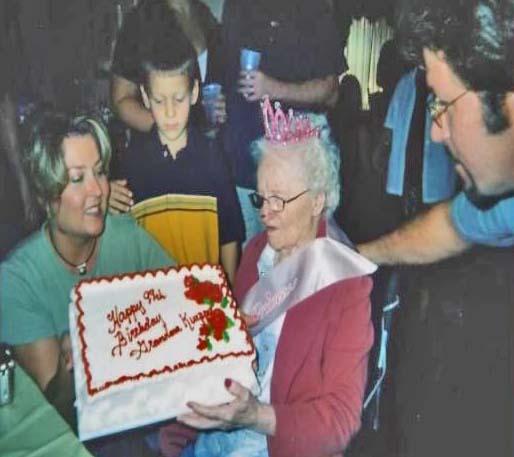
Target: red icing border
<point x="166" y="369"/>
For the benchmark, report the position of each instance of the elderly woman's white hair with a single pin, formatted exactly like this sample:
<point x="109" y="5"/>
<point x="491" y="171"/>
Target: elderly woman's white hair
<point x="320" y="161"/>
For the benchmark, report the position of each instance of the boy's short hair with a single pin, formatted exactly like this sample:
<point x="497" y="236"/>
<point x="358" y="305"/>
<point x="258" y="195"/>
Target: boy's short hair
<point x="45" y="155"/>
<point x="172" y="53"/>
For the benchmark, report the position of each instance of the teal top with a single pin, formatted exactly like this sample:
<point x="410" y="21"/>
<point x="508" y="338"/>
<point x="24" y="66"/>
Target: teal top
<point x="35" y="285"/>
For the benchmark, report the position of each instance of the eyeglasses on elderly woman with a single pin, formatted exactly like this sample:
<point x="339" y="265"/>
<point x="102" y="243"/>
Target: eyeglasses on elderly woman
<point x="275" y="203"/>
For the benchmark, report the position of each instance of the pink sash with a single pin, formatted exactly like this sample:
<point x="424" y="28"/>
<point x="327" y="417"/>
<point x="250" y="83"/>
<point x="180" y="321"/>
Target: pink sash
<point x="320" y="264"/>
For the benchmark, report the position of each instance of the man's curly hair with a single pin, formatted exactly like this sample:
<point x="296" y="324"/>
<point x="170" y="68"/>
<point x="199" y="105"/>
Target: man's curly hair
<point x="477" y="37"/>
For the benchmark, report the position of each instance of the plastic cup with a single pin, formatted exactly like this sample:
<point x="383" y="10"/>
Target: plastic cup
<point x="210" y="94"/>
<point x="249" y="59"/>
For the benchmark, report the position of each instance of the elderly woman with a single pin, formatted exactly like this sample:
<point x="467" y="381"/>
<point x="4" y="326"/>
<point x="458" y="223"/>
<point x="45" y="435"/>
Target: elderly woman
<point x="68" y="161"/>
<point x="310" y="294"/>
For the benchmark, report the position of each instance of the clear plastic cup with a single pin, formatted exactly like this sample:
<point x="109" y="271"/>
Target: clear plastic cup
<point x="250" y="59"/>
<point x="210" y="94"/>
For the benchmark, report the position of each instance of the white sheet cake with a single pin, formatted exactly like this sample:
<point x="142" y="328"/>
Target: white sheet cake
<point x="145" y="344"/>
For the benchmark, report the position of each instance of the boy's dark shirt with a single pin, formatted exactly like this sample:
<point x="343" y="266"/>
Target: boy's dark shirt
<point x="198" y="169"/>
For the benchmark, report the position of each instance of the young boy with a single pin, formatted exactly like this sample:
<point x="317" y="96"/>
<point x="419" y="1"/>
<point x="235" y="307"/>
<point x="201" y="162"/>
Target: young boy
<point x="181" y="187"/>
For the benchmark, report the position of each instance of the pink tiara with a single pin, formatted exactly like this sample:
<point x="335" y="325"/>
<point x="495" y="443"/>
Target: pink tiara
<point x="283" y="129"/>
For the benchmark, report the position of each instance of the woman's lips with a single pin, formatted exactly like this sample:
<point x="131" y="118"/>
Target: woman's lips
<point x="94" y="210"/>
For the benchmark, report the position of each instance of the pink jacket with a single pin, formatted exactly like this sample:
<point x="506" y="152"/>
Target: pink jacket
<point x="320" y="369"/>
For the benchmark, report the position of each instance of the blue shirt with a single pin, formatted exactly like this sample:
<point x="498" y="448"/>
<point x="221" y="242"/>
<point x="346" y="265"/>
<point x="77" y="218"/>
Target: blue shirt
<point x="298" y="40"/>
<point x="439" y="177"/>
<point x="494" y="227"/>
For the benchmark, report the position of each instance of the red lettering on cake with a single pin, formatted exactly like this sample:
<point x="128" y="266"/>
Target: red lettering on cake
<point x="121" y="343"/>
<point x="165" y="336"/>
<point x="140" y="328"/>
<point x="190" y="321"/>
<point x="127" y="314"/>
<point x="143" y="348"/>
<point x="152" y="295"/>
<point x="146" y="346"/>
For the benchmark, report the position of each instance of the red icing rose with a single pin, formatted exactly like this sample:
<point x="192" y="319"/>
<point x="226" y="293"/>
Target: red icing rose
<point x="189" y="281"/>
<point x="202" y="292"/>
<point x="218" y="322"/>
<point x="216" y="325"/>
<point x="202" y="344"/>
<point x="205" y="330"/>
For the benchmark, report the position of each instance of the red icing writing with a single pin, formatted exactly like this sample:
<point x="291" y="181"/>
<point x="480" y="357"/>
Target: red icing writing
<point x="140" y="328"/>
<point x="146" y="346"/>
<point x="152" y="295"/>
<point x="128" y="315"/>
<point x="121" y="342"/>
<point x="131" y="333"/>
<point x="190" y="321"/>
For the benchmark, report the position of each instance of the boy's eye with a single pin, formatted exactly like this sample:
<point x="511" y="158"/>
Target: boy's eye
<point x="100" y="172"/>
<point x="157" y="101"/>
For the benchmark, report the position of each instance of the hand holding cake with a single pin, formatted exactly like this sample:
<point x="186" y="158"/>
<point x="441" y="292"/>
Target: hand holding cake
<point x="244" y="411"/>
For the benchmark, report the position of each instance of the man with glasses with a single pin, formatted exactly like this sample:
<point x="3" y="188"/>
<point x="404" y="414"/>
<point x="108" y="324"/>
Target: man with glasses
<point x="467" y="49"/>
<point x="472" y="76"/>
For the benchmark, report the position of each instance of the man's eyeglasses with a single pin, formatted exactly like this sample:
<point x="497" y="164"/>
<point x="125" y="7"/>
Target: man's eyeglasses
<point x="437" y="108"/>
<point x="275" y="203"/>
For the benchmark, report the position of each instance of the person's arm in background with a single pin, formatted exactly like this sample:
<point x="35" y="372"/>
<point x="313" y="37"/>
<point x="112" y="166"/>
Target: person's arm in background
<point x="325" y="55"/>
<point x="229" y="257"/>
<point x="128" y="106"/>
<point x="125" y="97"/>
<point x="321" y="91"/>
<point x="428" y="238"/>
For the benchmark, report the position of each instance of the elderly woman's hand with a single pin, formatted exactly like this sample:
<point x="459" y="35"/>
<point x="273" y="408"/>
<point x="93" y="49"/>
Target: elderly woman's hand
<point x="254" y="85"/>
<point x="120" y="198"/>
<point x="244" y="411"/>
